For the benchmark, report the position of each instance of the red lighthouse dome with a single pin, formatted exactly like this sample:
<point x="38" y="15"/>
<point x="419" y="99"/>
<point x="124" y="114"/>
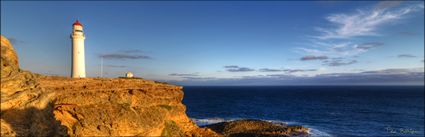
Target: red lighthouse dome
<point x="77" y="23"/>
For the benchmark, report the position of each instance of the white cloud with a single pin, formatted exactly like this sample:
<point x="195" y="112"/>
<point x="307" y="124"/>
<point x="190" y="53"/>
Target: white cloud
<point x="335" y="42"/>
<point x="339" y="50"/>
<point x="399" y="76"/>
<point x="364" y="22"/>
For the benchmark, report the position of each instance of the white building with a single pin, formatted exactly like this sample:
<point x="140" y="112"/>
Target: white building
<point x="78" y="61"/>
<point x="129" y="75"/>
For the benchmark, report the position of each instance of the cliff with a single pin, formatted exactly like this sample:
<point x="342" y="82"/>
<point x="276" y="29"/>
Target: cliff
<point x="119" y="107"/>
<point x="24" y="104"/>
<point x="36" y="105"/>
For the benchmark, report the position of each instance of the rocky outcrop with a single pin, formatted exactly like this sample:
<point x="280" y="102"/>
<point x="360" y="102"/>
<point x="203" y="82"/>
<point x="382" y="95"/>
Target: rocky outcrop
<point x="257" y="128"/>
<point x="25" y="107"/>
<point x="119" y="107"/>
<point x="36" y="105"/>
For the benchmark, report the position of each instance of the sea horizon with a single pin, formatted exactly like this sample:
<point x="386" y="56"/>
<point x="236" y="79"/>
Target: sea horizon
<point x="212" y="68"/>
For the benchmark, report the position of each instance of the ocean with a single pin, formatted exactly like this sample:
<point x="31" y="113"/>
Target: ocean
<point x="326" y="110"/>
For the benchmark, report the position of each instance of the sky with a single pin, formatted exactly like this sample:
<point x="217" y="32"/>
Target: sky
<point x="226" y="42"/>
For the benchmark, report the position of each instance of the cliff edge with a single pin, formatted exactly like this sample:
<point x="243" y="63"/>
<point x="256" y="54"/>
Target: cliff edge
<point x="37" y="105"/>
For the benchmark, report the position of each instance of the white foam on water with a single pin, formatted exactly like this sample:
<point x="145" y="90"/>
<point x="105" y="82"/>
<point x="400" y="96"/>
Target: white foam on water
<point x="209" y="121"/>
<point x="314" y="132"/>
<point x="317" y="133"/>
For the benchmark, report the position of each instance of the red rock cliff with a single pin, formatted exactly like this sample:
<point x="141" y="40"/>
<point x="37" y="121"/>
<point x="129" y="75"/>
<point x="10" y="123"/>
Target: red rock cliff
<point x="36" y="105"/>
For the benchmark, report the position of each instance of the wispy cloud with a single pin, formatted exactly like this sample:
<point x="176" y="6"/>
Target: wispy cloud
<point x="199" y="78"/>
<point x="231" y="66"/>
<point x="298" y="70"/>
<point x="279" y="76"/>
<point x="270" y="70"/>
<point x="338" y="54"/>
<point x="403" y="76"/>
<point x="368" y="45"/>
<point x="184" y="74"/>
<point x="394" y="71"/>
<point x="330" y="50"/>
<point x="122" y="56"/>
<point x="406" y="56"/>
<point x="310" y="57"/>
<point x="234" y="68"/>
<point x="365" y="22"/>
<point x="191" y="76"/>
<point x="338" y="62"/>
<point x="336" y="41"/>
<point x="286" y="70"/>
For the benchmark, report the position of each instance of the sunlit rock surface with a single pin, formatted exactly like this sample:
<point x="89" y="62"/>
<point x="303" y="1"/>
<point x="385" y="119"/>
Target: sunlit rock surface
<point x="36" y="105"/>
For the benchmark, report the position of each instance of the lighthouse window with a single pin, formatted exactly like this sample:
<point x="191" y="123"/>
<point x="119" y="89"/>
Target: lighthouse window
<point x="79" y="30"/>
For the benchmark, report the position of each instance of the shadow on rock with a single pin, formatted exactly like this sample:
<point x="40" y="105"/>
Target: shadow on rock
<point x="31" y="122"/>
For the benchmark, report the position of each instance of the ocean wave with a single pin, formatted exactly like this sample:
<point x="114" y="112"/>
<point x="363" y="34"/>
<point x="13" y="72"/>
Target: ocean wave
<point x="314" y="132"/>
<point x="209" y="121"/>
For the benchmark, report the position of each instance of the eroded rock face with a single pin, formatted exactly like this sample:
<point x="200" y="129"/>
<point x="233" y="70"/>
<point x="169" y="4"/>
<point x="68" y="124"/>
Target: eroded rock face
<point x="118" y="107"/>
<point x="9" y="59"/>
<point x="26" y="109"/>
<point x="13" y="79"/>
<point x="257" y="128"/>
<point x="36" y="105"/>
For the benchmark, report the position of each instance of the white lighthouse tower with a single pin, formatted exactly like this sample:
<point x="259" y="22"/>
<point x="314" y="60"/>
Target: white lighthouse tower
<point x="78" y="63"/>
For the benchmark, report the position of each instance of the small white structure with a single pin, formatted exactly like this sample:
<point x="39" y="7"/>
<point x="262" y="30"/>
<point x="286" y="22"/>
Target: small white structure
<point x="129" y="75"/>
<point x="78" y="61"/>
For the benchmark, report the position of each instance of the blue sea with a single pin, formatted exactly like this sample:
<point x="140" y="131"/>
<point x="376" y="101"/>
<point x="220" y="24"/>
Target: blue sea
<point x="326" y="110"/>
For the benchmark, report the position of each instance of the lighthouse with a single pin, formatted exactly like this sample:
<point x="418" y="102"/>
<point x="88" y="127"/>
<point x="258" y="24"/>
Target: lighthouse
<point x="78" y="62"/>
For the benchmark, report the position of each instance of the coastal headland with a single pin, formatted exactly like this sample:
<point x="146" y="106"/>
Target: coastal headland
<point x="38" y="105"/>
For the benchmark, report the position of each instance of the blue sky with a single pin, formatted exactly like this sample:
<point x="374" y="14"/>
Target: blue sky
<point x="226" y="43"/>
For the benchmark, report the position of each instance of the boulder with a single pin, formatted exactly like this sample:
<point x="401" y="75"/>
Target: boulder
<point x="257" y="128"/>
